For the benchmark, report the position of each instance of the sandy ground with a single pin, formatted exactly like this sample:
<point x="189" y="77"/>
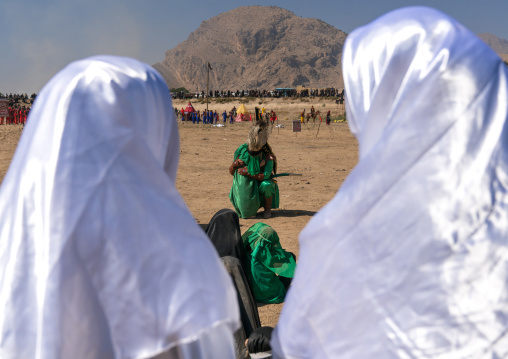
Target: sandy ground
<point x="324" y="159"/>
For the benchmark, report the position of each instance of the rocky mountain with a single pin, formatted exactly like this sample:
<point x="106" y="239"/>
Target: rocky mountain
<point x="499" y="45"/>
<point x="256" y="47"/>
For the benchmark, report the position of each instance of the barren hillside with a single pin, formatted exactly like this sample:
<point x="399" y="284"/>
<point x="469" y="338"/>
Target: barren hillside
<point x="499" y="45"/>
<point x="263" y="47"/>
<point x="257" y="47"/>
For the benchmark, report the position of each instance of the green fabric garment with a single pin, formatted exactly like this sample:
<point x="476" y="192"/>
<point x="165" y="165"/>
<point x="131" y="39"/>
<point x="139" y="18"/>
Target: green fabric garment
<point x="267" y="260"/>
<point x="247" y="195"/>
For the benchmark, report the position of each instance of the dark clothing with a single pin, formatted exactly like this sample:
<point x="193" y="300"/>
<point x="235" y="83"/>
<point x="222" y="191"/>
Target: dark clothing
<point x="259" y="341"/>
<point x="248" y="308"/>
<point x="224" y="232"/>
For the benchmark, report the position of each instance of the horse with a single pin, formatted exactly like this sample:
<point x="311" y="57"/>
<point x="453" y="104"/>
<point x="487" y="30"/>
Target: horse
<point x="313" y="116"/>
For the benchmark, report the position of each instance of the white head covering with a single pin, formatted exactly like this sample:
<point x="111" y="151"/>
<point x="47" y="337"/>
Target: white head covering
<point x="410" y="258"/>
<point x="99" y="255"/>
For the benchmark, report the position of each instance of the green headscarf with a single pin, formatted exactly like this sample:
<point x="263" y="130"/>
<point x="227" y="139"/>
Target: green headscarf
<point x="268" y="260"/>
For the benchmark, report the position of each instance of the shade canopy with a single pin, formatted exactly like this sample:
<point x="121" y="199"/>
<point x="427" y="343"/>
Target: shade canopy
<point x="242" y="109"/>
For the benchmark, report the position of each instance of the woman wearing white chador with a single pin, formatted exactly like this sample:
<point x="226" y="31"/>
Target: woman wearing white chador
<point x="99" y="255"/>
<point x="410" y="259"/>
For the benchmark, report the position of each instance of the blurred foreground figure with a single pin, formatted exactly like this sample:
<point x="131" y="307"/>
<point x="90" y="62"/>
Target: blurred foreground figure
<point x="99" y="255"/>
<point x="410" y="259"/>
<point x="224" y="232"/>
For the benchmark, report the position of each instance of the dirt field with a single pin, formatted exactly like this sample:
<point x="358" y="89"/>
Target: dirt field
<point x="206" y="153"/>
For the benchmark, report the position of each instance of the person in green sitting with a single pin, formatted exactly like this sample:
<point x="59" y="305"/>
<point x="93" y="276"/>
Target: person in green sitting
<point x="271" y="267"/>
<point x="253" y="165"/>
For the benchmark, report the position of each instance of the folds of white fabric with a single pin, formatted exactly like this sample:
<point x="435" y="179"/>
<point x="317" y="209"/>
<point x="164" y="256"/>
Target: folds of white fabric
<point x="99" y="255"/>
<point x="410" y="259"/>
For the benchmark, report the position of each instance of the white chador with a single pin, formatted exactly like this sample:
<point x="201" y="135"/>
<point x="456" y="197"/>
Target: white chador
<point x="410" y="259"/>
<point x="99" y="255"/>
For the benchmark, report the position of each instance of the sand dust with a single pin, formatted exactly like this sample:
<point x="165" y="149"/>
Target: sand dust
<point x="206" y="153"/>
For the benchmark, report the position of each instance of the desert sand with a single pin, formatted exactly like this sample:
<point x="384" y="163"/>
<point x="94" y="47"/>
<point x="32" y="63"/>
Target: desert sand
<point x="323" y="158"/>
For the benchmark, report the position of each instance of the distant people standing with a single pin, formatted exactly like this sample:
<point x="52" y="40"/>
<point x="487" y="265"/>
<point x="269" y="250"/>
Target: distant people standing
<point x="16" y="116"/>
<point x="328" y="117"/>
<point x="10" y="119"/>
<point x="224" y="116"/>
<point x="27" y="113"/>
<point x="23" y="115"/>
<point x="273" y="116"/>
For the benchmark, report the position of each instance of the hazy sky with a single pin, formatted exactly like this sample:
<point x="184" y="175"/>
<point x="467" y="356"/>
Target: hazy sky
<point x="39" y="37"/>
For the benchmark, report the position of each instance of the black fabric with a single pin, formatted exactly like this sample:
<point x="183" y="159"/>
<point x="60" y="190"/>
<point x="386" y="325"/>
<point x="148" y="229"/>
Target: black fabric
<point x="259" y="340"/>
<point x="248" y="308"/>
<point x="268" y="151"/>
<point x="224" y="232"/>
<point x="254" y="153"/>
<point x="287" y="281"/>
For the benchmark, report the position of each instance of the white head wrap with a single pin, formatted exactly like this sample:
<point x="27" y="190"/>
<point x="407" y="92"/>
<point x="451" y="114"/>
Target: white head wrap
<point x="410" y="259"/>
<point x="99" y="255"/>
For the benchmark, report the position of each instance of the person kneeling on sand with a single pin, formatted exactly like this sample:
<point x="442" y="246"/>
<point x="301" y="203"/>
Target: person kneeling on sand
<point x="253" y="165"/>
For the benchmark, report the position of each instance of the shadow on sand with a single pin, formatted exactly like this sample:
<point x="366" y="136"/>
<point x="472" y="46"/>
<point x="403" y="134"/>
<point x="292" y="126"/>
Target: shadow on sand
<point x="289" y="213"/>
<point x="275" y="213"/>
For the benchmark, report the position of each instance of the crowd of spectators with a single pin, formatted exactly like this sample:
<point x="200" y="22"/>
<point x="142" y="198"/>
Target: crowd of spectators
<point x="210" y="117"/>
<point x="19" y="99"/>
<point x="19" y="104"/>
<point x="277" y="93"/>
<point x="18" y="108"/>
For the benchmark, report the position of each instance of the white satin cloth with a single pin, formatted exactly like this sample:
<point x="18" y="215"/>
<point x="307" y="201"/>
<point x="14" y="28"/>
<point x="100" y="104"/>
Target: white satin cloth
<point x="410" y="258"/>
<point x="99" y="255"/>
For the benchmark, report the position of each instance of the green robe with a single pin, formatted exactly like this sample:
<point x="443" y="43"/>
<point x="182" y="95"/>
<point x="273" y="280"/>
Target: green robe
<point x="247" y="195"/>
<point x="267" y="260"/>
